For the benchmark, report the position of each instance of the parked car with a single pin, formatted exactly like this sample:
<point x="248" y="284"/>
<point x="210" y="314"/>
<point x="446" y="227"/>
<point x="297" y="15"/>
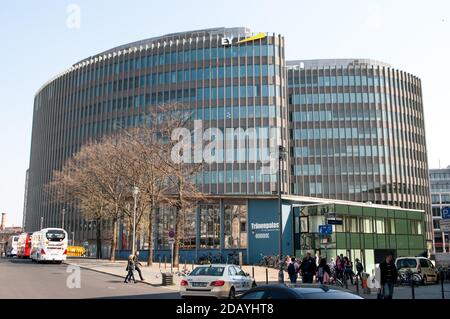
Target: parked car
<point x="305" y="291"/>
<point x="418" y="265"/>
<point x="216" y="280"/>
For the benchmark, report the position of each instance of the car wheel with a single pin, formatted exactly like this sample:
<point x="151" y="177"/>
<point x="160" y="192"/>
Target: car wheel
<point x="232" y="294"/>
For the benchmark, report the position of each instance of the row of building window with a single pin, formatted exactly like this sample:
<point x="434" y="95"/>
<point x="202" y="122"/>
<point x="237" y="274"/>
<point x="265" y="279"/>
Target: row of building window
<point x="350" y="97"/>
<point x="441" y="187"/>
<point x="339" y="115"/>
<point x="339" y="133"/>
<point x="437" y="176"/>
<point x="348" y="168"/>
<point x="234" y="176"/>
<point x="173" y="58"/>
<point x="228" y="92"/>
<point x="346" y="80"/>
<point x="340" y="80"/>
<point x="379" y="225"/>
<point x="341" y="150"/>
<point x="440" y="198"/>
<point x="180" y="76"/>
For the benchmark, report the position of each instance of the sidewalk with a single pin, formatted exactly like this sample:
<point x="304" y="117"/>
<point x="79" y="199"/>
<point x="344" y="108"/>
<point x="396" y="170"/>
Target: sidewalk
<point x="153" y="274"/>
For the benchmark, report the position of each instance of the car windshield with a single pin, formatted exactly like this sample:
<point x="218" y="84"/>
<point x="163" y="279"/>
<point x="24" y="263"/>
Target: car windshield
<point x="207" y="271"/>
<point x="55" y="235"/>
<point x="406" y="263"/>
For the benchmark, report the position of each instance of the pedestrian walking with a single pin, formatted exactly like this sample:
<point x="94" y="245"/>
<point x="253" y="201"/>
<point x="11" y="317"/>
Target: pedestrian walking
<point x="138" y="265"/>
<point x="388" y="276"/>
<point x="308" y="269"/>
<point x="359" y="269"/>
<point x="130" y="269"/>
<point x="292" y="272"/>
<point x="323" y="272"/>
<point x="340" y="268"/>
<point x="348" y="269"/>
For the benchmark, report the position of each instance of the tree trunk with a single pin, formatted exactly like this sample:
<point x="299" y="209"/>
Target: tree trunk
<point x="99" y="238"/>
<point x="176" y="245"/>
<point x="150" y="238"/>
<point x="114" y="240"/>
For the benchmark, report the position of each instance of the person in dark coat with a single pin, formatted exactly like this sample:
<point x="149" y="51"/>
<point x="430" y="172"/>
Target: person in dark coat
<point x="388" y="276"/>
<point x="130" y="269"/>
<point x="308" y="269"/>
<point x="137" y="264"/>
<point x="359" y="269"/>
<point x="348" y="270"/>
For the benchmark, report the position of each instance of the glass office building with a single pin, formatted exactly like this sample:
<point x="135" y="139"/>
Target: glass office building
<point x="354" y="128"/>
<point x="357" y="133"/>
<point x="440" y="198"/>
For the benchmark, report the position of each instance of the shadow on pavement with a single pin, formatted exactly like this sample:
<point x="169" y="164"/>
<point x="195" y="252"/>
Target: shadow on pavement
<point x="20" y="261"/>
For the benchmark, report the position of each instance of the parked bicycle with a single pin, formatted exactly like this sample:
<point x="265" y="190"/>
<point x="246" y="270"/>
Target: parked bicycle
<point x="335" y="279"/>
<point x="405" y="277"/>
<point x="233" y="258"/>
<point x="268" y="261"/>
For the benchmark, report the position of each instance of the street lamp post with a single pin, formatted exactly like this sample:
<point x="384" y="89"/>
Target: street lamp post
<point x="73" y="238"/>
<point x="63" y="213"/>
<point x="281" y="151"/>
<point x="135" y="194"/>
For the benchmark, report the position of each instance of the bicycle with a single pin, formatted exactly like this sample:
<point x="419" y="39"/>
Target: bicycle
<point x="335" y="279"/>
<point x="405" y="278"/>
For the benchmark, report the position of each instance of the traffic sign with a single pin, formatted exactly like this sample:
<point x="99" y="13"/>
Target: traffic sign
<point x="325" y="229"/>
<point x="446" y="212"/>
<point x="171" y="236"/>
<point x="444" y="225"/>
<point x="334" y="221"/>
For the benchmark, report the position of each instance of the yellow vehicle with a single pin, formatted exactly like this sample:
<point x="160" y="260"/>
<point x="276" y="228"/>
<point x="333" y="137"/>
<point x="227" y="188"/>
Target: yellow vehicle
<point x="76" y="251"/>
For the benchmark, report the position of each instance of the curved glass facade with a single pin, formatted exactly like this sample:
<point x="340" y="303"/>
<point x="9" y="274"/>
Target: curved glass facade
<point x="357" y="133"/>
<point x="223" y="84"/>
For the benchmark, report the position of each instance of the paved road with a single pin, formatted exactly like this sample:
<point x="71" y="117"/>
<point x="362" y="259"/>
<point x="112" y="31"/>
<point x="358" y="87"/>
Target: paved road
<point x="25" y="279"/>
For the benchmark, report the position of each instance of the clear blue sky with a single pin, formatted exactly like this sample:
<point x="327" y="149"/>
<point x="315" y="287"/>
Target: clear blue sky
<point x="37" y="44"/>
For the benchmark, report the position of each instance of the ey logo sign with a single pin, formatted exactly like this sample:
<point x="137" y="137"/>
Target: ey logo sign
<point x="229" y="40"/>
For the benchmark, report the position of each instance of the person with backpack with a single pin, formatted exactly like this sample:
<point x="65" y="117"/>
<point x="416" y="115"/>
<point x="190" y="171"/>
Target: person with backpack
<point x="323" y="272"/>
<point x="130" y="268"/>
<point x="308" y="269"/>
<point x="292" y="272"/>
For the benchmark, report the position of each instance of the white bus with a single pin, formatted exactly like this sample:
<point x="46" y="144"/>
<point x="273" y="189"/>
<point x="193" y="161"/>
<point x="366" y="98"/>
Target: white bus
<point x="49" y="244"/>
<point x="11" y="246"/>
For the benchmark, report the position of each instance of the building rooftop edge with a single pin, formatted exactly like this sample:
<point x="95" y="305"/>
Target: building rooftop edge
<point x="311" y="63"/>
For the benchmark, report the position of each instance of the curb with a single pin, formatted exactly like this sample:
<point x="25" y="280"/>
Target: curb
<point x="115" y="275"/>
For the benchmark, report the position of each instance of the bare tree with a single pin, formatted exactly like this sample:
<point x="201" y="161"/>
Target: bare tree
<point x="101" y="176"/>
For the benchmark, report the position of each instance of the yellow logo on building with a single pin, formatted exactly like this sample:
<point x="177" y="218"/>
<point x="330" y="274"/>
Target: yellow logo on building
<point x="229" y="40"/>
<point x="253" y="38"/>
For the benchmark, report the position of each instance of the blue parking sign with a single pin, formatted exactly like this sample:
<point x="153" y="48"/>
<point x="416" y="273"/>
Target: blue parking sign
<point x="446" y="212"/>
<point x="325" y="229"/>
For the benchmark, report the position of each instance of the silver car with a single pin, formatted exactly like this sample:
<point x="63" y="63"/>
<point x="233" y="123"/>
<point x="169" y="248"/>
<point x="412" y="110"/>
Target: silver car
<point x="216" y="280"/>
